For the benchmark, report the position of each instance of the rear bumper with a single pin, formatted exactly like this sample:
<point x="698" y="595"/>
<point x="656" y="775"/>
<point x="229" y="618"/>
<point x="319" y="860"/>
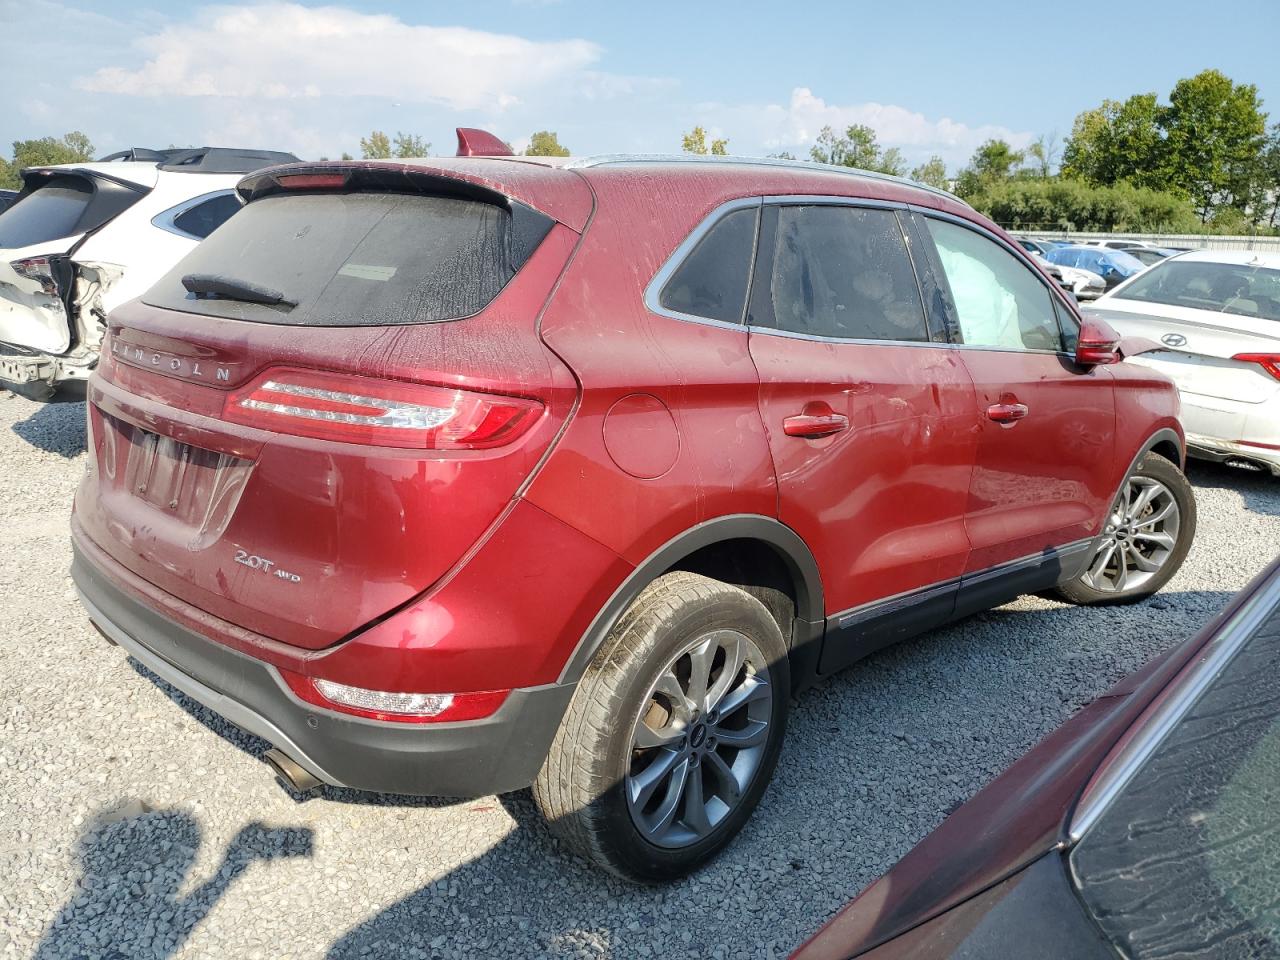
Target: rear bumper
<point x="37" y="375"/>
<point x="497" y="754"/>
<point x="1233" y="451"/>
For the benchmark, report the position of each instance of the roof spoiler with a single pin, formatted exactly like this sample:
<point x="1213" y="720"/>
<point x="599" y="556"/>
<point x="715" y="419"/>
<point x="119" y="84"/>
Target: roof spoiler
<point x="480" y="143"/>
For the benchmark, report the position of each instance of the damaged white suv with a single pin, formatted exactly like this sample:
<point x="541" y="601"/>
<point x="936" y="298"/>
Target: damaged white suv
<point x="84" y="237"/>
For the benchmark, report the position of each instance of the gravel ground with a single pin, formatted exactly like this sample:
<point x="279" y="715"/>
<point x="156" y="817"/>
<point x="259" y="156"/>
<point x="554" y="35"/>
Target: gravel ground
<point x="133" y="823"/>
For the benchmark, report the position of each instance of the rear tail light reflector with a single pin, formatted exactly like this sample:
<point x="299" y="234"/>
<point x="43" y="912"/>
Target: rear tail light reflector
<point x="1269" y="362"/>
<point x="393" y="706"/>
<point x="329" y="406"/>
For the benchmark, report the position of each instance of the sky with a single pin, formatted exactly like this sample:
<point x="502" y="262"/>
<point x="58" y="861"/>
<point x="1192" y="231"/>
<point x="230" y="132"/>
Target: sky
<point x="930" y="77"/>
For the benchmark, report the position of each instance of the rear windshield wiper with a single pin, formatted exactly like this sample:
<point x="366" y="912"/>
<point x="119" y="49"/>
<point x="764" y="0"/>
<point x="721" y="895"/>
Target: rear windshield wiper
<point x="229" y="288"/>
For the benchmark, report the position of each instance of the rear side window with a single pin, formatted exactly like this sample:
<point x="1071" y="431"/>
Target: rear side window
<point x="204" y="218"/>
<point x="712" y="280"/>
<point x="350" y="259"/>
<point x="63" y="206"/>
<point x="999" y="301"/>
<point x="843" y="272"/>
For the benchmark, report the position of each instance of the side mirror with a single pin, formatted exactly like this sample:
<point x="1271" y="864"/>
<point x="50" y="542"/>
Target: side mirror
<point x="1098" y="344"/>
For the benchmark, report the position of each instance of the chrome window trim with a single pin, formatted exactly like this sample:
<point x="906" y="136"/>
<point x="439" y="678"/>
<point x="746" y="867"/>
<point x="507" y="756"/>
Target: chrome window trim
<point x="860" y="341"/>
<point x="653" y="292"/>
<point x="1156" y="724"/>
<point x="165" y="218"/>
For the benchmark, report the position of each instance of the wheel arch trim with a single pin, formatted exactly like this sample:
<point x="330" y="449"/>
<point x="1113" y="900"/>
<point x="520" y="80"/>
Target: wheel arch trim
<point x="791" y="549"/>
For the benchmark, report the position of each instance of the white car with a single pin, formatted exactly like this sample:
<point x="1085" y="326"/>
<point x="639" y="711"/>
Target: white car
<point x="1216" y="315"/>
<point x="84" y="237"/>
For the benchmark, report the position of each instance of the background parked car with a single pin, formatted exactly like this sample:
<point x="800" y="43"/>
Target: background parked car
<point x="1217" y="315"/>
<point x="1151" y="255"/>
<point x="7" y="199"/>
<point x="1113" y="266"/>
<point x="1147" y="826"/>
<point x="87" y="236"/>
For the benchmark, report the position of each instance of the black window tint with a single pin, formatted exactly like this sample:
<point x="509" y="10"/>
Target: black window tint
<point x="63" y="206"/>
<point x="1070" y="327"/>
<point x="1000" y="301"/>
<point x="844" y="272"/>
<point x="204" y="218"/>
<point x="352" y="259"/>
<point x="712" y="280"/>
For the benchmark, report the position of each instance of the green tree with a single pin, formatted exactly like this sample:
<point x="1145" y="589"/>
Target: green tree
<point x="1118" y="142"/>
<point x="408" y="145"/>
<point x="933" y="173"/>
<point x="857" y="147"/>
<point x="1060" y="203"/>
<point x="695" y="141"/>
<point x="1215" y="131"/>
<point x="1267" y="191"/>
<point x="992" y="162"/>
<point x="73" y="147"/>
<point x="376" y="147"/>
<point x="545" y="143"/>
<point x="1042" y="155"/>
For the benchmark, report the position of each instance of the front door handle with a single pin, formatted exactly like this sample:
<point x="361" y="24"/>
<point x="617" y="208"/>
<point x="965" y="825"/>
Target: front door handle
<point x="1007" y="413"/>
<point x="814" y="425"/>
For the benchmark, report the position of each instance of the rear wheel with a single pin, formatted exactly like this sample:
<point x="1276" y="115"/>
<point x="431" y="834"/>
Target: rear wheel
<point x="673" y="733"/>
<point x="1144" y="540"/>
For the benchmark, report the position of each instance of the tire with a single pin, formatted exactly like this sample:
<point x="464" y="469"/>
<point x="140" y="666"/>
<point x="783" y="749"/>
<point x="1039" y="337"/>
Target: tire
<point x="600" y="788"/>
<point x="1128" y="537"/>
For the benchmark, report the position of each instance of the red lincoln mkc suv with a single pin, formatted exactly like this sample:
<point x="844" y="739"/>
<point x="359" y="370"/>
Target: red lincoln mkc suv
<point x="454" y="476"/>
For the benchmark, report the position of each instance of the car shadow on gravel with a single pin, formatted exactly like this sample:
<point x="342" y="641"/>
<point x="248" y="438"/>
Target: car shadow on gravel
<point x="1259" y="490"/>
<point x="255" y="747"/>
<point x="54" y="427"/>
<point x="126" y="903"/>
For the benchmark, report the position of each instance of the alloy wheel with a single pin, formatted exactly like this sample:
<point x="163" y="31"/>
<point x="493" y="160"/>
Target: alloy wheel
<point x="1141" y="533"/>
<point x="699" y="739"/>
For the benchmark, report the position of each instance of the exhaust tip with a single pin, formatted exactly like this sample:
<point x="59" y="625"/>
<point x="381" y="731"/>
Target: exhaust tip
<point x="290" y="772"/>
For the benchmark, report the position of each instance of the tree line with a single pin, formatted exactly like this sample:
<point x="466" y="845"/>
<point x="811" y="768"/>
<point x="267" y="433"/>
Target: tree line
<point x="1204" y="161"/>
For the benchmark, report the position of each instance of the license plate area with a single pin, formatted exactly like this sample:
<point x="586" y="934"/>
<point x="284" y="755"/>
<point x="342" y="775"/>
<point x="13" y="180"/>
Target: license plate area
<point x="199" y="488"/>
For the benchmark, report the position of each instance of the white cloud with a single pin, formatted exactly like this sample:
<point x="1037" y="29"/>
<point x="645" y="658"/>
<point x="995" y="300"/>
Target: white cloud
<point x="795" y="125"/>
<point x="283" y="51"/>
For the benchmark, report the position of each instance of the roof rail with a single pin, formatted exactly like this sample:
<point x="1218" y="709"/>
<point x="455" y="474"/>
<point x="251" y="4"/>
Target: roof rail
<point x="621" y="158"/>
<point x="203" y="159"/>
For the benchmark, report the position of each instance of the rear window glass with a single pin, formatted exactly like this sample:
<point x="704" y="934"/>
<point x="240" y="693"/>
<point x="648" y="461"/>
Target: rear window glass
<point x="712" y="281"/>
<point x="352" y="259"/>
<point x="62" y="206"/>
<point x="204" y="218"/>
<point x="1223" y="287"/>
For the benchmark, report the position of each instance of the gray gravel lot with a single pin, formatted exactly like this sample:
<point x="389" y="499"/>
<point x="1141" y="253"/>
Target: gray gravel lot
<point x="135" y="824"/>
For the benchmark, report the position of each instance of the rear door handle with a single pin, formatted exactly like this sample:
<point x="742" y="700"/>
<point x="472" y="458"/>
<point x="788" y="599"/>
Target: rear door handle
<point x="812" y="426"/>
<point x="1007" y="413"/>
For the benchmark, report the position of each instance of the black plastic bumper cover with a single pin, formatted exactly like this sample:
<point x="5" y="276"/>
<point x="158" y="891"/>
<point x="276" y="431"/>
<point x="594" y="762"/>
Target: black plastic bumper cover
<point x="497" y="754"/>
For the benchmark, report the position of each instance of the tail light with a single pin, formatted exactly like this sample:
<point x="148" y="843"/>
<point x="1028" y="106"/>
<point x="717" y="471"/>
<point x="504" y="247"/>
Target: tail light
<point x="396" y="707"/>
<point x="40" y="270"/>
<point x="328" y="406"/>
<point x="1269" y="362"/>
